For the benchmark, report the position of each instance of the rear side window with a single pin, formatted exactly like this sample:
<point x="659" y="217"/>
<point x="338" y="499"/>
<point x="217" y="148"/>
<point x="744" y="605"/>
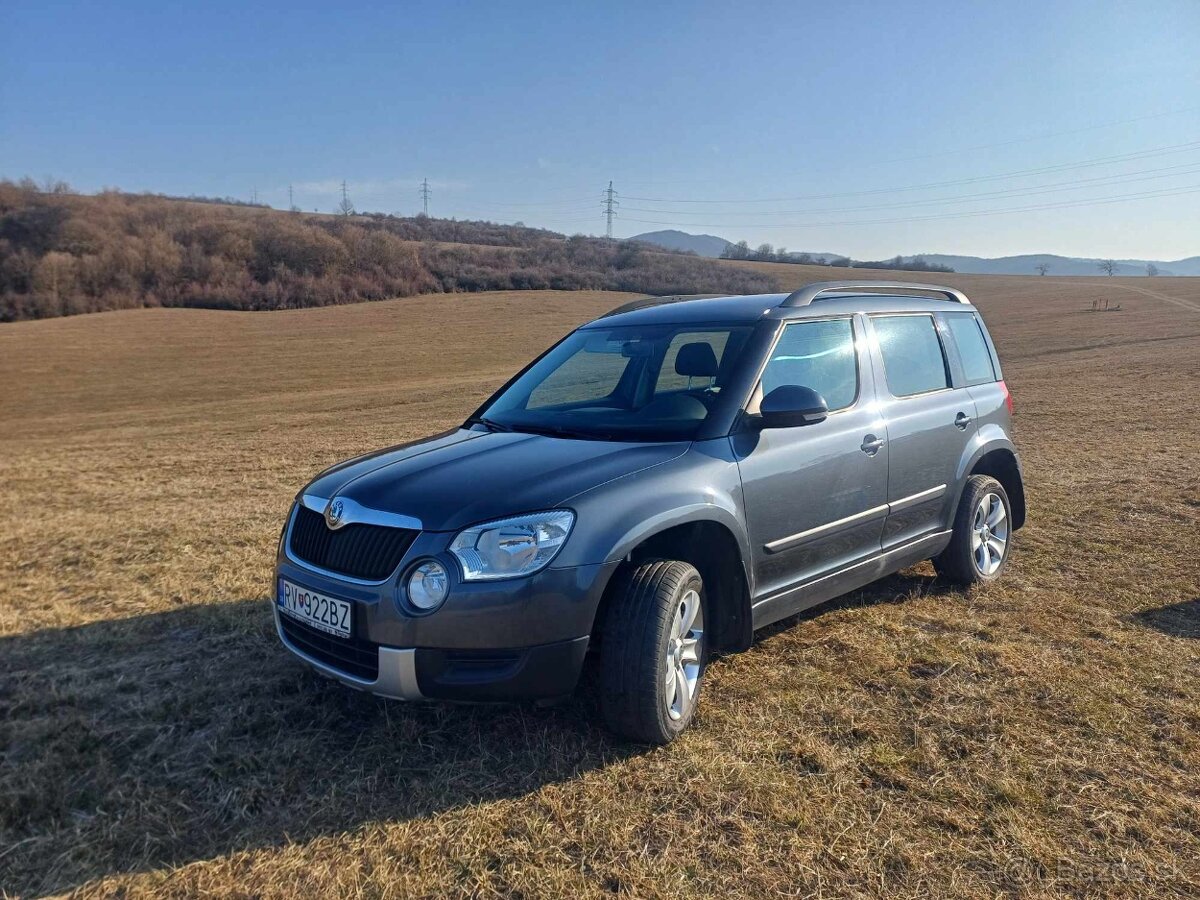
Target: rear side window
<point x="817" y="355"/>
<point x="972" y="348"/>
<point x="912" y="354"/>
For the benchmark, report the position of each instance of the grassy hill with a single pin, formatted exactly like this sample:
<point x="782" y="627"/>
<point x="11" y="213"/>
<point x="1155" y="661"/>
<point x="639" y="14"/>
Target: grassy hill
<point x="62" y="253"/>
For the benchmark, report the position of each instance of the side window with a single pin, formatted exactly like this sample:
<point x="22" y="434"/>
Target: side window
<point x="818" y="355"/>
<point x="912" y="354"/>
<point x="584" y="376"/>
<point x="669" y="377"/>
<point x="972" y="348"/>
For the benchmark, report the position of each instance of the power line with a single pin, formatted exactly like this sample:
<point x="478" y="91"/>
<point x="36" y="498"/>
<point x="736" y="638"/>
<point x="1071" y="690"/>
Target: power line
<point x="575" y="202"/>
<point x="610" y="203"/>
<point x="1022" y="173"/>
<point x="975" y="148"/>
<point x="1037" y="137"/>
<point x="1055" y="187"/>
<point x="1142" y="195"/>
<point x="425" y="192"/>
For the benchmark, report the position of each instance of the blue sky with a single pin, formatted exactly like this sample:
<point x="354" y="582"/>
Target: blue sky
<point x="800" y="119"/>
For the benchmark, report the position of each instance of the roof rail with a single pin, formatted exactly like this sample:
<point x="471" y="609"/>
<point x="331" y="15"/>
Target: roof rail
<point x="662" y="300"/>
<point x="811" y="292"/>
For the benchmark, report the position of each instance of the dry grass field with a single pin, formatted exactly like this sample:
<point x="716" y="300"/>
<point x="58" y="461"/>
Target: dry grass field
<point x="1041" y="737"/>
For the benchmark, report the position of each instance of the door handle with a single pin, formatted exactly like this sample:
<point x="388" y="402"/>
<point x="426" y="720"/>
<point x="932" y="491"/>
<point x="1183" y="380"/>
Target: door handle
<point x="871" y="445"/>
<point x="962" y="420"/>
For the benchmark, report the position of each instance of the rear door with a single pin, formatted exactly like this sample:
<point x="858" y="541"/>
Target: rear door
<point x="978" y="369"/>
<point x="929" y="423"/>
<point x="815" y="495"/>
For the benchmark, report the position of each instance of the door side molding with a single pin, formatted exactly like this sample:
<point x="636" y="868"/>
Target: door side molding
<point x="916" y="499"/>
<point x="794" y="540"/>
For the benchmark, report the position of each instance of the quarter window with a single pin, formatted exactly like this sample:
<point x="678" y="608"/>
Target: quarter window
<point x="912" y="354"/>
<point x="817" y="355"/>
<point x="972" y="349"/>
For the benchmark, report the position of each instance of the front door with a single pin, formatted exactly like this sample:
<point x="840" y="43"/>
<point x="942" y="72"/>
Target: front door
<point x="815" y="495"/>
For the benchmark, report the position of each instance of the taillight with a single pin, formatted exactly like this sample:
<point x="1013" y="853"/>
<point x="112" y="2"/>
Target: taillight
<point x="1007" y="397"/>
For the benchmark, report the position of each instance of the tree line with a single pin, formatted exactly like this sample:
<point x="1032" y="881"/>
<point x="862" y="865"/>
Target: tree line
<point x="768" y="253"/>
<point x="63" y="253"/>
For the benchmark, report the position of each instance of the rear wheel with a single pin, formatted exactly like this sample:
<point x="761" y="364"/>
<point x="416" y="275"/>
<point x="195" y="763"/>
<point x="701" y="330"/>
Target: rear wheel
<point x="979" y="548"/>
<point x="653" y="651"/>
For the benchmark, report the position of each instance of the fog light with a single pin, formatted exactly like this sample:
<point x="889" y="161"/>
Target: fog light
<point x="428" y="585"/>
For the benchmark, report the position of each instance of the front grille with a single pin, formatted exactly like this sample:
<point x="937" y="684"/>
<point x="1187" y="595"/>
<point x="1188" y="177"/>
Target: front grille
<point x="354" y="656"/>
<point x="369" y="552"/>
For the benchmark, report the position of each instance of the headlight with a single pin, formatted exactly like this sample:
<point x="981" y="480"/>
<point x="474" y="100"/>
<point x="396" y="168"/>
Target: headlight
<point x="508" y="548"/>
<point x="428" y="585"/>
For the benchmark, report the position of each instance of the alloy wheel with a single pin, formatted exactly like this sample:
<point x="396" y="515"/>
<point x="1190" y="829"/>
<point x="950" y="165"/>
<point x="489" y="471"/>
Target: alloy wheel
<point x="989" y="534"/>
<point x="684" y="651"/>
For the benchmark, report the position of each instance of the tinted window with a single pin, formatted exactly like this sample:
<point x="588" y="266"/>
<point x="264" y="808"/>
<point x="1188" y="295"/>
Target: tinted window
<point x="972" y="348"/>
<point x="912" y="354"/>
<point x="818" y="355"/>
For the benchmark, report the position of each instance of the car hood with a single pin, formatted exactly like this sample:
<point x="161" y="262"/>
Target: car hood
<point x="463" y="477"/>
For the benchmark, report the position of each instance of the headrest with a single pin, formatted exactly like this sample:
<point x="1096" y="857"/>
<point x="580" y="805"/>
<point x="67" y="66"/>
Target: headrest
<point x="696" y="359"/>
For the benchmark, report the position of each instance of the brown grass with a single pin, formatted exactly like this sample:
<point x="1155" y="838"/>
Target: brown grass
<point x="1039" y="737"/>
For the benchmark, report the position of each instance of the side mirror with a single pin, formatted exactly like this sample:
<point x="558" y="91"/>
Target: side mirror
<point x="790" y="405"/>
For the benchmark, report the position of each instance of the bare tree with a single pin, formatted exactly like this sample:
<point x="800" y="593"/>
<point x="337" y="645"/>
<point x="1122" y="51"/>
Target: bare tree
<point x="740" y="250"/>
<point x="1151" y="269"/>
<point x="1041" y="268"/>
<point x="1108" y="266"/>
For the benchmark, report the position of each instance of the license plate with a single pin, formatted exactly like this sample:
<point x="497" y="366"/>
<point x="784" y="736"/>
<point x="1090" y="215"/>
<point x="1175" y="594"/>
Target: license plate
<point x="324" y="613"/>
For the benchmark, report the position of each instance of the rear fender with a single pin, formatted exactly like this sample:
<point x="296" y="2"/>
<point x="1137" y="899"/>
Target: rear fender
<point x="987" y="439"/>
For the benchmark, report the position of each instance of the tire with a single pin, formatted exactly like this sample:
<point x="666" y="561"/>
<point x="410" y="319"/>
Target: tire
<point x="643" y="641"/>
<point x="977" y="554"/>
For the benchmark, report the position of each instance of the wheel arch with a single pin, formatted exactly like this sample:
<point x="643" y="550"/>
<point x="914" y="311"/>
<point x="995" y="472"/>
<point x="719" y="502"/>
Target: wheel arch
<point x="713" y="548"/>
<point x="998" y="459"/>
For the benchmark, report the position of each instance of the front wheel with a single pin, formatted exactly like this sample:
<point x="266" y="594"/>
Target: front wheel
<point x="979" y="548"/>
<point x="653" y="651"/>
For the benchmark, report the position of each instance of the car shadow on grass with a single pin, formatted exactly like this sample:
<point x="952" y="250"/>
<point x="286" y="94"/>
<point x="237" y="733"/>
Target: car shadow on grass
<point x="178" y="736"/>
<point x="1178" y="619"/>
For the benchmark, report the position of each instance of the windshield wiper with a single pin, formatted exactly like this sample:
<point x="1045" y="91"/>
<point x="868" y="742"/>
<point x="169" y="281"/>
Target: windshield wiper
<point x="560" y="431"/>
<point x="489" y="424"/>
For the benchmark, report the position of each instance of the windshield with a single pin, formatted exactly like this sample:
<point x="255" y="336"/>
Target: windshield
<point x="634" y="382"/>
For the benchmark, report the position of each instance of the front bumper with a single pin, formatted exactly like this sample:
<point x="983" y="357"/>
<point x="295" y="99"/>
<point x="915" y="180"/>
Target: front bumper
<point x="419" y="673"/>
<point x="517" y="639"/>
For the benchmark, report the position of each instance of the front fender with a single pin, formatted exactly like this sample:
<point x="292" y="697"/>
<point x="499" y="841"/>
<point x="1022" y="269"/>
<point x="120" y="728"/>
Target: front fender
<point x="612" y="519"/>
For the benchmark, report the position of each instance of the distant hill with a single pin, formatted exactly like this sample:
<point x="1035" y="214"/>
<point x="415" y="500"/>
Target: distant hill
<point x="713" y="246"/>
<point x="701" y="244"/>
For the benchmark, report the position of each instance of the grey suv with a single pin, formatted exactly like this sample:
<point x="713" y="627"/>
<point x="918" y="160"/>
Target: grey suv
<point x="653" y="488"/>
